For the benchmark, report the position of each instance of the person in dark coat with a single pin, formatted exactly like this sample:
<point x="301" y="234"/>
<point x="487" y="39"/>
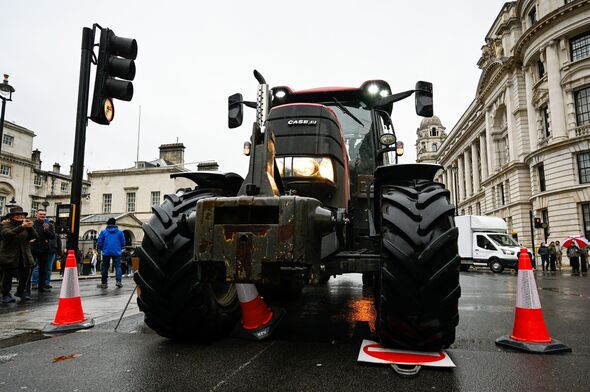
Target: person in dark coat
<point x="544" y="253"/>
<point x="15" y="253"/>
<point x="42" y="249"/>
<point x="574" y="255"/>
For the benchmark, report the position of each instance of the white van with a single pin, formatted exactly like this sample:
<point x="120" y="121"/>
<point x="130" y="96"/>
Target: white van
<point x="483" y="240"/>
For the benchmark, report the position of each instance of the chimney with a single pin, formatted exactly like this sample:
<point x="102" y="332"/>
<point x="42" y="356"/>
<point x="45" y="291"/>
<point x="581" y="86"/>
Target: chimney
<point x="36" y="157"/>
<point x="56" y="167"/>
<point x="207" y="166"/>
<point x="172" y="153"/>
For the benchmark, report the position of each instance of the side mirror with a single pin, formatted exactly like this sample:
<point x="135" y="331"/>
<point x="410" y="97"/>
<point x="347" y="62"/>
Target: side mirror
<point x="424" y="105"/>
<point x="235" y="110"/>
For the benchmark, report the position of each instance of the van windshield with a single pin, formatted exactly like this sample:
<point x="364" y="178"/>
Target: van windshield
<point x="503" y="239"/>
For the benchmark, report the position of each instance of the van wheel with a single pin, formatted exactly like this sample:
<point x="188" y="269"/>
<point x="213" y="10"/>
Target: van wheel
<point x="496" y="266"/>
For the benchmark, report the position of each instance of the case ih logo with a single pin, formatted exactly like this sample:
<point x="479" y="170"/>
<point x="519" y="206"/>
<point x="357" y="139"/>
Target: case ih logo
<point x="302" y="122"/>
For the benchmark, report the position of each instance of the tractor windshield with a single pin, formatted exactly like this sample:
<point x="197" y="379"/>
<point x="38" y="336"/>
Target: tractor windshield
<point x="356" y="136"/>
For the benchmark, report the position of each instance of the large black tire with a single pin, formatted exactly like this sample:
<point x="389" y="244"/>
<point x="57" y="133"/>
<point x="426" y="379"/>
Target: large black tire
<point x="419" y="281"/>
<point x="175" y="303"/>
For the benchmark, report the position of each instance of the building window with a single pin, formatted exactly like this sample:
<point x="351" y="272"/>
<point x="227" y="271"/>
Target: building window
<point x="478" y="208"/>
<point x="8" y="140"/>
<point x="90" y="235"/>
<point x="130" y="201"/>
<point x="502" y="151"/>
<point x="434" y="147"/>
<point x="501" y="195"/>
<point x="5" y="170"/>
<point x="107" y="200"/>
<point x="580" y="46"/>
<point x="433" y="132"/>
<point x="533" y="16"/>
<point x="38" y="180"/>
<point x="156" y="198"/>
<point x="35" y="206"/>
<point x="507" y="191"/>
<point x="586" y="219"/>
<point x="84" y="189"/>
<point x="541" y="173"/>
<point x="582" y="100"/>
<point x="584" y="167"/>
<point x="64" y="187"/>
<point x="541" y="68"/>
<point x="546" y="123"/>
<point x="2" y="205"/>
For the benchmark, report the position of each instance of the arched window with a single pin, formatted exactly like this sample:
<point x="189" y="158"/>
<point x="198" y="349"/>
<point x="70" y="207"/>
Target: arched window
<point x="90" y="235"/>
<point x="433" y="132"/>
<point x="434" y="147"/>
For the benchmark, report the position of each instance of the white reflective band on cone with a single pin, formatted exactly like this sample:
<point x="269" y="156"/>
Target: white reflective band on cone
<point x="69" y="284"/>
<point x="527" y="296"/>
<point x="246" y="292"/>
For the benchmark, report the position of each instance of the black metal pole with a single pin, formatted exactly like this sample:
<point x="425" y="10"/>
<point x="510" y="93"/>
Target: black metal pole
<point x="456" y="186"/>
<point x="2" y="123"/>
<point x="80" y="138"/>
<point x="532" y="235"/>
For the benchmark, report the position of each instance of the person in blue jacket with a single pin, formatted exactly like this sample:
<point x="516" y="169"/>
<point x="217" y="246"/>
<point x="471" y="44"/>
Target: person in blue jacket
<point x="111" y="242"/>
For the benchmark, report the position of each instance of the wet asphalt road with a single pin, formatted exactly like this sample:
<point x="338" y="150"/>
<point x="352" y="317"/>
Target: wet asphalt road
<point x="318" y="349"/>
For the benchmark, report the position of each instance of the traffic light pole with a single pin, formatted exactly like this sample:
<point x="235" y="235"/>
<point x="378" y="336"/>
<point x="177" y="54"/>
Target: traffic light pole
<point x="80" y="138"/>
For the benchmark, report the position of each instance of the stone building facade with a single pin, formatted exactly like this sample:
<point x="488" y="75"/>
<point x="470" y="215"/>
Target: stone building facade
<point x="523" y="144"/>
<point x="130" y="193"/>
<point x="22" y="179"/>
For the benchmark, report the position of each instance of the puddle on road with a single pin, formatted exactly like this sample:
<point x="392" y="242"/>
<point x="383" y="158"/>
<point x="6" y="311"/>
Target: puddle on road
<point x="555" y="290"/>
<point x="23" y="338"/>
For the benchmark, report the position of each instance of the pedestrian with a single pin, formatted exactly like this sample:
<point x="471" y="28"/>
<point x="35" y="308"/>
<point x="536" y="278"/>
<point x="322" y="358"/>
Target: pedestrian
<point x="42" y="250"/>
<point x="559" y="249"/>
<point x="584" y="259"/>
<point x="573" y="254"/>
<point x="544" y="253"/>
<point x="16" y="258"/>
<point x="55" y="249"/>
<point x="111" y="242"/>
<point x="552" y="256"/>
<point x="93" y="261"/>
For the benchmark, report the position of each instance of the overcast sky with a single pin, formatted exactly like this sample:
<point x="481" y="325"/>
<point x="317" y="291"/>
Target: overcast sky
<point x="193" y="55"/>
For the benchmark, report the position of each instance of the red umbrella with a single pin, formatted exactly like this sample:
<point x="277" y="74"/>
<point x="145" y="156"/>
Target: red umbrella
<point x="578" y="239"/>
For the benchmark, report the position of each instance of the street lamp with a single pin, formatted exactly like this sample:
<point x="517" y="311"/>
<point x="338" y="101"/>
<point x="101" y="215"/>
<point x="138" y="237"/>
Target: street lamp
<point x="45" y="204"/>
<point x="6" y="91"/>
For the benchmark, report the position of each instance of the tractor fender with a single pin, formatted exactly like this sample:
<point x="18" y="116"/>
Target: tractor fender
<point x="412" y="171"/>
<point x="229" y="182"/>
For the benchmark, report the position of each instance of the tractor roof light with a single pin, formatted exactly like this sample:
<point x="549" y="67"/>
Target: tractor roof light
<point x="373" y="89"/>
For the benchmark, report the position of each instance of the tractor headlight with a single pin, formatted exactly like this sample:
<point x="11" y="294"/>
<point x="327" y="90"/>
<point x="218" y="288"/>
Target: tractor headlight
<point x="321" y="167"/>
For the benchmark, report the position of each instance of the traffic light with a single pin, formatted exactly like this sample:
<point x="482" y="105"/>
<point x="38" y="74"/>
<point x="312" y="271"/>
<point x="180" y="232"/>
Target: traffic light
<point x="114" y="71"/>
<point x="538" y="223"/>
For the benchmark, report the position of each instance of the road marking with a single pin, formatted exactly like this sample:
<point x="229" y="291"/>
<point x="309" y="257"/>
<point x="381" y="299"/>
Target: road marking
<point x="242" y="366"/>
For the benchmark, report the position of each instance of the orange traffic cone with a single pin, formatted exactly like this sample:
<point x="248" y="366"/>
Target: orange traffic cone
<point x="258" y="320"/>
<point x="529" y="332"/>
<point x="69" y="316"/>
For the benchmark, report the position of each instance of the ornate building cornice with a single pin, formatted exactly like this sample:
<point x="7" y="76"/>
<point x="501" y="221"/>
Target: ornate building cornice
<point x="542" y="24"/>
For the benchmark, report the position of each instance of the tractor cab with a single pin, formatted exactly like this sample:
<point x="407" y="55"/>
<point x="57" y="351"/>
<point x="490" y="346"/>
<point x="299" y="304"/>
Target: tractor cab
<point x="325" y="136"/>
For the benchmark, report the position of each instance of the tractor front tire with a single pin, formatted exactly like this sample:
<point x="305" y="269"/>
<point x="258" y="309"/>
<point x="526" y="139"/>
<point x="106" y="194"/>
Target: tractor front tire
<point x="418" y="285"/>
<point x="176" y="304"/>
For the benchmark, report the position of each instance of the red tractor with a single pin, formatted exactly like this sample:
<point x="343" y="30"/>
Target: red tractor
<point x="324" y="195"/>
